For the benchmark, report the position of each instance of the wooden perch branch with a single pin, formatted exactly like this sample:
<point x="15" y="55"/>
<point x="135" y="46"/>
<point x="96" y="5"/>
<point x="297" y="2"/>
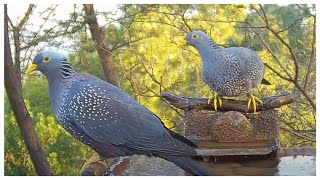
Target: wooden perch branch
<point x="187" y="103"/>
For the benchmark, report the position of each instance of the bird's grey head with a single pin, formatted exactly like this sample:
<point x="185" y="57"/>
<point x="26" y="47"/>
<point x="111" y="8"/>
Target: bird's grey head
<point x="198" y="39"/>
<point x="51" y="64"/>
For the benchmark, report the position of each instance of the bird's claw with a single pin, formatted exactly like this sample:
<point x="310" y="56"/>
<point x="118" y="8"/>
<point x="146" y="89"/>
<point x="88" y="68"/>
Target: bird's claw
<point x="254" y="104"/>
<point x="216" y="98"/>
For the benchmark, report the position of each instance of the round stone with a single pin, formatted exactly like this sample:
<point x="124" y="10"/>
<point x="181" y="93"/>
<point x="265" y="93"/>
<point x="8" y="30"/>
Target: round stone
<point x="232" y="126"/>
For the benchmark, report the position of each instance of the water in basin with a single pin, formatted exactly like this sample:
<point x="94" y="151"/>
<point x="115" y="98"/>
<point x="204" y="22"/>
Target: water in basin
<point x="277" y="166"/>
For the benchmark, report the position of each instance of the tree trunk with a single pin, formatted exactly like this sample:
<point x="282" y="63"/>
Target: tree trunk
<point x="19" y="109"/>
<point x="103" y="51"/>
<point x="17" y="62"/>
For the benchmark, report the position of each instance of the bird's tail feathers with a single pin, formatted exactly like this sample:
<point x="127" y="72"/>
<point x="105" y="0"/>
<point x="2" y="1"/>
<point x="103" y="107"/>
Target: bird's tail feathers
<point x="266" y="82"/>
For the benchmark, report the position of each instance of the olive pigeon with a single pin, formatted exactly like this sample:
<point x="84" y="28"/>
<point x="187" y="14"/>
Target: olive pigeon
<point x="232" y="71"/>
<point x="107" y="119"/>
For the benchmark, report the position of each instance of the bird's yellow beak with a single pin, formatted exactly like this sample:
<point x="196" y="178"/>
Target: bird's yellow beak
<point x="184" y="43"/>
<point x="31" y="68"/>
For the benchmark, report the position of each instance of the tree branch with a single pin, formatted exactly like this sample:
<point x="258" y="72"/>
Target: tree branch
<point x="25" y="17"/>
<point x="103" y="51"/>
<point x="293" y="55"/>
<point x="306" y="95"/>
<point x="297" y="134"/>
<point x="187" y="103"/>
<point x="184" y="20"/>
<point x="311" y="55"/>
<point x="290" y="79"/>
<point x="274" y="56"/>
<point x="257" y="11"/>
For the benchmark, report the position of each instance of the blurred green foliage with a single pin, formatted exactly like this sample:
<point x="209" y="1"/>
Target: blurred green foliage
<point x="60" y="148"/>
<point x="148" y="62"/>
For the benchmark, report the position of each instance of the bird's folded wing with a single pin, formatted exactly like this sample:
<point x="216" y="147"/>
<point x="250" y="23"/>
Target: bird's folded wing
<point x="110" y="115"/>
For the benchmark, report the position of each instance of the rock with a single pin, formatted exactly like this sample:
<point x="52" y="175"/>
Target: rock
<point x="203" y="128"/>
<point x="232" y="126"/>
<point x="95" y="166"/>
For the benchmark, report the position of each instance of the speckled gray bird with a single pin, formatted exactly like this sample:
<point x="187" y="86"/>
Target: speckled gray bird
<point x="232" y="71"/>
<point x="107" y="119"/>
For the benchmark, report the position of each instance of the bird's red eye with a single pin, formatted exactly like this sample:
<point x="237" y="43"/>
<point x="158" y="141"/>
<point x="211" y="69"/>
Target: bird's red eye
<point x="194" y="36"/>
<point x="46" y="59"/>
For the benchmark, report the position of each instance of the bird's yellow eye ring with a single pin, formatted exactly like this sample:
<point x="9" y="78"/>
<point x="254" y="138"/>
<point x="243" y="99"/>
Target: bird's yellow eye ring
<point x="194" y="36"/>
<point x="46" y="59"/>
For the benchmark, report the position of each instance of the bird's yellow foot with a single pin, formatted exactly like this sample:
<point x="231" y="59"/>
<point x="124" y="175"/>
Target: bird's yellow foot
<point x="253" y="99"/>
<point x="216" y="99"/>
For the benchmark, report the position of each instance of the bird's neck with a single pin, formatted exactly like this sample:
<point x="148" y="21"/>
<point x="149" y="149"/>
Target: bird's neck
<point x="207" y="47"/>
<point x="66" y="71"/>
<point x="61" y="73"/>
<point x="57" y="86"/>
<point x="212" y="44"/>
<point x="59" y="79"/>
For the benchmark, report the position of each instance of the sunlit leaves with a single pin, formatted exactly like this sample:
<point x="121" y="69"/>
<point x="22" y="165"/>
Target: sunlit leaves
<point x="148" y="62"/>
<point x="65" y="154"/>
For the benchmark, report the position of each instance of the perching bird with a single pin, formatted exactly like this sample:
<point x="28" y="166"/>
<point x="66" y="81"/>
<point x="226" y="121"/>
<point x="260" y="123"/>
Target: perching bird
<point x="232" y="71"/>
<point x="107" y="119"/>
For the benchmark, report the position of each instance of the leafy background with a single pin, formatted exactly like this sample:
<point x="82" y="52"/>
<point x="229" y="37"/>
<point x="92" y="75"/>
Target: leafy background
<point x="143" y="41"/>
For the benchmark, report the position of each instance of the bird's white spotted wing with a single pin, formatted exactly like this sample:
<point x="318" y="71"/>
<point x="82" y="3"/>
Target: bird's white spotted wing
<point x="107" y="114"/>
